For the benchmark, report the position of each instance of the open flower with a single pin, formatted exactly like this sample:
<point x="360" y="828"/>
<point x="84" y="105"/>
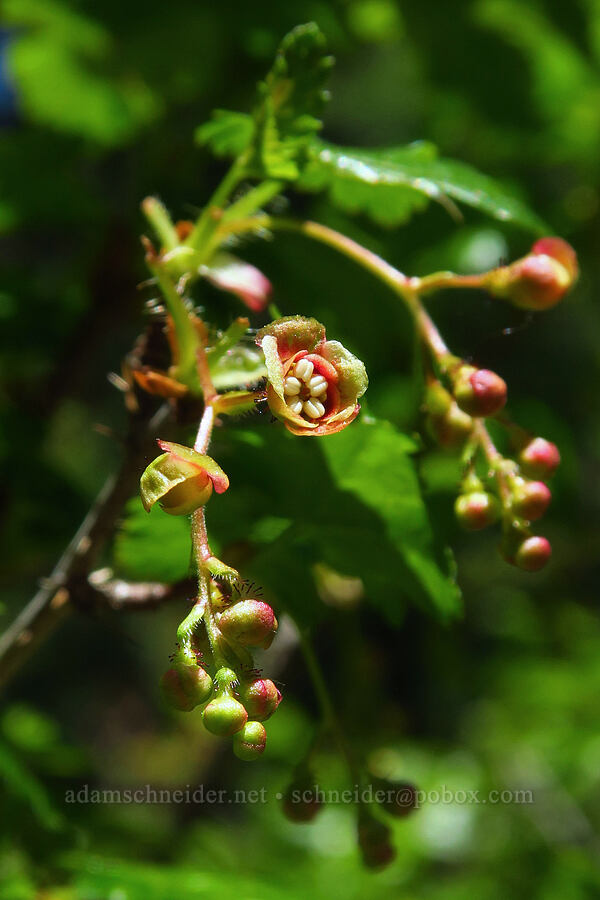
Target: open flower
<point x="313" y="384"/>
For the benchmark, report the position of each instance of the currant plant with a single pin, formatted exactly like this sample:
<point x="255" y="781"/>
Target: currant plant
<point x="312" y="384"/>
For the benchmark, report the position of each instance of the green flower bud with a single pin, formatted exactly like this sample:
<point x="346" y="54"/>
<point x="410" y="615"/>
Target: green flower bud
<point x="533" y="554"/>
<point x="185" y="687"/>
<point x="477" y="510"/>
<point x="181" y="480"/>
<point x="249" y="743"/>
<point x="539" y="458"/>
<point x="531" y="499"/>
<point x="479" y="392"/>
<point x="224" y="715"/>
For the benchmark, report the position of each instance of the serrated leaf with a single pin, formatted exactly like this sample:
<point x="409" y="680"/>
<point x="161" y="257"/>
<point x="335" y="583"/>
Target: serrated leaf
<point x="391" y="184"/>
<point x="227" y="133"/>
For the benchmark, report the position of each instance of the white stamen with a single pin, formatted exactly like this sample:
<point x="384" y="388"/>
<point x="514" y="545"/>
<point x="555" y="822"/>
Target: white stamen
<point x="313" y="408"/>
<point x="304" y="370"/>
<point x="291" y="386"/>
<point x="295" y="405"/>
<point x="317" y="385"/>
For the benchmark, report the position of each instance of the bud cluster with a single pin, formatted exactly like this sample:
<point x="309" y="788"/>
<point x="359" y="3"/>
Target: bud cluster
<point x="516" y="494"/>
<point x="236" y="700"/>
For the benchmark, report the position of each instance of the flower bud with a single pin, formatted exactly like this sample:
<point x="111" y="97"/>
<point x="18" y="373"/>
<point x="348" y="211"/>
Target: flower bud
<point x="181" y="480"/>
<point x="539" y="280"/>
<point x="301" y="802"/>
<point x="479" y="392"/>
<point x="260" y="697"/>
<point x="250" y="622"/>
<point x="374" y="840"/>
<point x="533" y="553"/>
<point x="249" y="743"/>
<point x="224" y="715"/>
<point x="400" y="797"/>
<point x="539" y="458"/>
<point x="185" y="687"/>
<point x="531" y="499"/>
<point x="477" y="510"/>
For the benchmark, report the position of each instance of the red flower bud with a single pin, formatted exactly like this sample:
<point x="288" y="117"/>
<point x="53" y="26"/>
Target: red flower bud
<point x="539" y="280"/>
<point x="533" y="553"/>
<point x="251" y="623"/>
<point x="477" y="510"/>
<point x="479" y="392"/>
<point x="531" y="500"/>
<point x="185" y="687"/>
<point x="249" y="743"/>
<point x="260" y="697"/>
<point x="539" y="458"/>
<point x="374" y="840"/>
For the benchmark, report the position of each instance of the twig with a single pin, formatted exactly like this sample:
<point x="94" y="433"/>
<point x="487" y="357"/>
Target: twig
<point x="58" y="593"/>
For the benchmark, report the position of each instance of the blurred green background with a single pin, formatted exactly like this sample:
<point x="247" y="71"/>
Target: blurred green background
<point x="98" y="104"/>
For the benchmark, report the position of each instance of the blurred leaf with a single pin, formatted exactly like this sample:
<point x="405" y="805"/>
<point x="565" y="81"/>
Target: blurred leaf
<point x="373" y="462"/>
<point x="152" y="546"/>
<point x="23" y="785"/>
<point x="227" y="133"/>
<point x="390" y="184"/>
<point x="55" y="60"/>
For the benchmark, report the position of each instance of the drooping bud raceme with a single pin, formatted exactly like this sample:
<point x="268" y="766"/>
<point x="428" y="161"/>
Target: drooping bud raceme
<point x="479" y="392"/>
<point x="181" y="480"/>
<point x="185" y="687"/>
<point x="313" y="384"/>
<point x="224" y="715"/>
<point x="260" y="697"/>
<point x="539" y="280"/>
<point x="250" y="622"/>
<point x="249" y="743"/>
<point x="539" y="458"/>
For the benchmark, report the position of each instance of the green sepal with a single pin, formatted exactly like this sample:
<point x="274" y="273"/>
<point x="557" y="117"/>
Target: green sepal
<point x="164" y="479"/>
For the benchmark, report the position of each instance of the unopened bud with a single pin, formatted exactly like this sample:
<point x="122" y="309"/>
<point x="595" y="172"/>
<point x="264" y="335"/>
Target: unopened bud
<point x="539" y="458"/>
<point x="249" y="743"/>
<point x="250" y="622"/>
<point x="531" y="500"/>
<point x="224" y="715"/>
<point x="260" y="697"/>
<point x="479" y="392"/>
<point x="477" y="510"/>
<point x="301" y="802"/>
<point x="450" y="429"/>
<point x="533" y="554"/>
<point x="400" y="797"/>
<point x="539" y="280"/>
<point x="185" y="687"/>
<point x="374" y="840"/>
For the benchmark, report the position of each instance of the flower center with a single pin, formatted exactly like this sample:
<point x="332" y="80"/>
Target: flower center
<point x="305" y="392"/>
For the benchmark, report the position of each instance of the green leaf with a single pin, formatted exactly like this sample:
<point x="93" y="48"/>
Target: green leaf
<point x="226" y="133"/>
<point x="152" y="547"/>
<point x="391" y="184"/>
<point x="372" y="461"/>
<point x="26" y="788"/>
<point x="291" y="98"/>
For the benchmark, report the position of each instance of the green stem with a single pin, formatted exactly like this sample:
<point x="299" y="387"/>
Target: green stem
<point x="330" y="718"/>
<point x="187" y="337"/>
<point x="229" y="339"/>
<point x="207" y="220"/>
<point x="158" y="216"/>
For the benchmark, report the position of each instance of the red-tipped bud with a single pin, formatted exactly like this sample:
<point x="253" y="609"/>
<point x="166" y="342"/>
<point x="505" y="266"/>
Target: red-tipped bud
<point x="539" y="458"/>
<point x="477" y="510"/>
<point x="260" y="697"/>
<point x="399" y="797"/>
<point x="301" y="802"/>
<point x="533" y="553"/>
<point x="531" y="500"/>
<point x="249" y="743"/>
<point x="185" y="687"/>
<point x="224" y="715"/>
<point x="479" y="392"/>
<point x="251" y="623"/>
<point x="539" y="280"/>
<point x="374" y="840"/>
